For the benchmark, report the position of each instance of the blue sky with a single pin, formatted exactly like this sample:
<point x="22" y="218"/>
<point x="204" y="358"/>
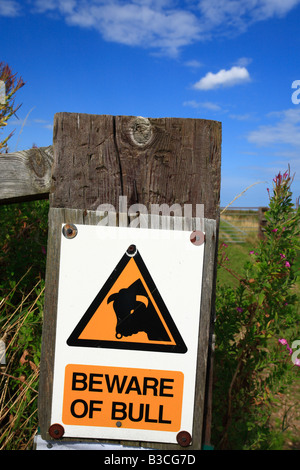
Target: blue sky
<point x="233" y="61"/>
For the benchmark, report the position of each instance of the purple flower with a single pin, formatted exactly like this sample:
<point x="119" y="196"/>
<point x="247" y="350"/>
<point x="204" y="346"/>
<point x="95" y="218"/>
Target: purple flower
<point x="251" y="252"/>
<point x="275" y="230"/>
<point x="277" y="178"/>
<point x="239" y="309"/>
<point x="287" y="264"/>
<point x="282" y="255"/>
<point x="289" y="350"/>
<point x="297" y="362"/>
<point x="282" y="341"/>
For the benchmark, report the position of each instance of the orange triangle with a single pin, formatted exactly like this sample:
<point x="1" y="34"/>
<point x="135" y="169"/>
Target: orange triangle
<point x="128" y="313"/>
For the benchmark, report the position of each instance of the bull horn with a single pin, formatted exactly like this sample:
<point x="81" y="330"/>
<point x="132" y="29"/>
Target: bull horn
<point x="111" y="298"/>
<point x="143" y="299"/>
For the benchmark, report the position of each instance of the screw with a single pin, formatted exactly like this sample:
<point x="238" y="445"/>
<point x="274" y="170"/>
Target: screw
<point x="197" y="237"/>
<point x="118" y="424"/>
<point x="131" y="251"/>
<point x="70" y="231"/>
<point x="56" y="431"/>
<point x="184" y="438"/>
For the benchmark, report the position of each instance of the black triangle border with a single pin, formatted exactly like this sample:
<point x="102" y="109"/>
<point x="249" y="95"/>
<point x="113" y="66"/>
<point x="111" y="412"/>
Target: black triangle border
<point x="74" y="340"/>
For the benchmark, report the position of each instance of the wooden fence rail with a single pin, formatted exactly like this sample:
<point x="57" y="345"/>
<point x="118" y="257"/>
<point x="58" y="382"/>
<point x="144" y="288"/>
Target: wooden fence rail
<point x="25" y="175"/>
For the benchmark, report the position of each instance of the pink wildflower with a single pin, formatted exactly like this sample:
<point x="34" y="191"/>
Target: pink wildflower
<point x="282" y="255"/>
<point x="297" y="362"/>
<point x="251" y="252"/>
<point x="282" y="341"/>
<point x="287" y="264"/>
<point x="289" y="350"/>
<point x="239" y="309"/>
<point x="275" y="230"/>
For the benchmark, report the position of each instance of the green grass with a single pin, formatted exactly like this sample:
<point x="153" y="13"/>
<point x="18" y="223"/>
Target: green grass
<point x="237" y="254"/>
<point x="20" y="329"/>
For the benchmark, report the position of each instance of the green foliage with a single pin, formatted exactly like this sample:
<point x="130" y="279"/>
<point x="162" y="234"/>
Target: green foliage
<point x="23" y="242"/>
<point x="252" y="316"/>
<point x="20" y="329"/>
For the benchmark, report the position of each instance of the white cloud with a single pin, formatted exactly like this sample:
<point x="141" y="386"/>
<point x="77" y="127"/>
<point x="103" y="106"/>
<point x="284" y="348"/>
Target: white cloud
<point x="207" y="105"/>
<point x="9" y="8"/>
<point x="225" y="78"/>
<point x="238" y="15"/>
<point x="241" y="117"/>
<point x="285" y="131"/>
<point x="143" y="23"/>
<point x="193" y="63"/>
<point x="243" y="61"/>
<point x="167" y="25"/>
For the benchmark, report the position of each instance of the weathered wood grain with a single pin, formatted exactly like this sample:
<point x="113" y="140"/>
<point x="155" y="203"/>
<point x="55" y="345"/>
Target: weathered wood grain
<point x="98" y="158"/>
<point x="25" y="175"/>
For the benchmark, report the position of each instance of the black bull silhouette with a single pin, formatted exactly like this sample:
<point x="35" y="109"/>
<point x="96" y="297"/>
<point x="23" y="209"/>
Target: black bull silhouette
<point x="136" y="313"/>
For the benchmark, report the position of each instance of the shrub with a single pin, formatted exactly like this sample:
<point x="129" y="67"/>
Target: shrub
<point x="251" y="318"/>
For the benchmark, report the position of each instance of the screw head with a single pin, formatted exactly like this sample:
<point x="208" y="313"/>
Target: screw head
<point x="70" y="231"/>
<point x="56" y="431"/>
<point x="184" y="438"/>
<point x="197" y="237"/>
<point x="131" y="250"/>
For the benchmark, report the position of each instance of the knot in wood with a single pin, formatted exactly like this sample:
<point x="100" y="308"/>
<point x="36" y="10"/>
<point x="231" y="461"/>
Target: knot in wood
<point x="36" y="162"/>
<point x="140" y="131"/>
<point x="39" y="162"/>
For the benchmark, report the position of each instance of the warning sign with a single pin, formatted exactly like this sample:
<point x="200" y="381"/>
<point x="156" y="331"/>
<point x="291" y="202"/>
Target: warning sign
<point x="128" y="313"/>
<point x="122" y="397"/>
<point x="127" y="329"/>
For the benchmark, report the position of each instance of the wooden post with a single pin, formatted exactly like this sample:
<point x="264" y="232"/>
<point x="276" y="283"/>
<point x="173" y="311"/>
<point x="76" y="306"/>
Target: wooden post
<point x="97" y="160"/>
<point x="150" y="161"/>
<point x="262" y="221"/>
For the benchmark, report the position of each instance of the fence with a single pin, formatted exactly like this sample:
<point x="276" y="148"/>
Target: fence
<point x="237" y="224"/>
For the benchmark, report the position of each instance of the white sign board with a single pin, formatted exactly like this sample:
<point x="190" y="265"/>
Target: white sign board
<point x="127" y="333"/>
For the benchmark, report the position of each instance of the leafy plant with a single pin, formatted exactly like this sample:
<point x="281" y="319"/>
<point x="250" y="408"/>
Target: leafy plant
<point x="7" y="103"/>
<point x="249" y="368"/>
